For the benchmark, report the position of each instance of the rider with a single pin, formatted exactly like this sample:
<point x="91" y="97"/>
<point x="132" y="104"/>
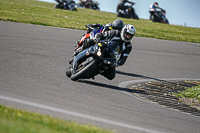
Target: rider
<point x="153" y="8"/>
<point x="87" y="42"/>
<point x="123" y="39"/>
<point x="122" y="6"/>
<point x="116" y="25"/>
<point x="88" y="3"/>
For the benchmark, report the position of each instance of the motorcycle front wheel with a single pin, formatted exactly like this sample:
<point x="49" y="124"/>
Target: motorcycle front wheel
<point x="69" y="72"/>
<point x="85" y="71"/>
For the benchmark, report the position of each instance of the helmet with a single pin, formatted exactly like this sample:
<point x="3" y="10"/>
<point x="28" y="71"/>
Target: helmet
<point x="127" y="33"/>
<point x="118" y="24"/>
<point x="156" y="4"/>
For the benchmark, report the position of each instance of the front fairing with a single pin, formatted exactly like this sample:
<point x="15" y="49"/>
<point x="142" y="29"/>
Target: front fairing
<point x="106" y="55"/>
<point x="109" y="53"/>
<point x="82" y="56"/>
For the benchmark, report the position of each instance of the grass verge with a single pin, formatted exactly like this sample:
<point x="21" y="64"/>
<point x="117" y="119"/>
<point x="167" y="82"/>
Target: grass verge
<point x="190" y="96"/>
<point x="41" y="13"/>
<point x="18" y="121"/>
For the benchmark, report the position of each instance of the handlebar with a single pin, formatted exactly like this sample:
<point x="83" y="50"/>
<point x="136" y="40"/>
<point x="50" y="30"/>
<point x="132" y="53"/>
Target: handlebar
<point x="87" y="26"/>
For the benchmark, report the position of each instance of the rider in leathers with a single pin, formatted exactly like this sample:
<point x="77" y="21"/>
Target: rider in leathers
<point x="153" y="9"/>
<point x="116" y="25"/>
<point x="123" y="38"/>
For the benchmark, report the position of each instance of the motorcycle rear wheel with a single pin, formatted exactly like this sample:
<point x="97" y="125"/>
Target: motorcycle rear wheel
<point x="119" y="14"/>
<point x="167" y="22"/>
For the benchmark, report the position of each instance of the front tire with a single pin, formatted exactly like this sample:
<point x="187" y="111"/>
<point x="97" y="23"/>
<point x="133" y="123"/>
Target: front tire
<point x="69" y="72"/>
<point x="85" y="72"/>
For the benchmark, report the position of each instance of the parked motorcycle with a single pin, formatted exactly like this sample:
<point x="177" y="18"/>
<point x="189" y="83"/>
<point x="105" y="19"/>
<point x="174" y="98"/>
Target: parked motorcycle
<point x="128" y="13"/>
<point x="89" y="4"/>
<point x="66" y="4"/>
<point x="158" y="15"/>
<point x="93" y="60"/>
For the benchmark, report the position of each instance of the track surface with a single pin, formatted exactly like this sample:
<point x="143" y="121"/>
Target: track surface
<point x="33" y="60"/>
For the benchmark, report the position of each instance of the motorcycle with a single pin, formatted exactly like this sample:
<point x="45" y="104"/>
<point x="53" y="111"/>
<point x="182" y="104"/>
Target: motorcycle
<point x="93" y="60"/>
<point x="89" y="4"/>
<point x="128" y="13"/>
<point x="65" y="4"/>
<point x="158" y="15"/>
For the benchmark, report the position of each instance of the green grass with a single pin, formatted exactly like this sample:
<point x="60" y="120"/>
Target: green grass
<point x="18" y="121"/>
<point x="41" y="13"/>
<point x="193" y="92"/>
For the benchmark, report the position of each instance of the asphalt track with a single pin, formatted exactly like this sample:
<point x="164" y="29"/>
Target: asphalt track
<point x="33" y="60"/>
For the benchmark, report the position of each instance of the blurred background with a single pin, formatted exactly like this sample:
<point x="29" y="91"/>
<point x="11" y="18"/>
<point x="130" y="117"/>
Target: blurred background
<point x="178" y="12"/>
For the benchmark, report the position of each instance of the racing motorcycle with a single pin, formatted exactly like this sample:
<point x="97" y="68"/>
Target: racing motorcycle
<point x="128" y="13"/>
<point x="89" y="4"/>
<point x="93" y="60"/>
<point x="158" y="15"/>
<point x="66" y="4"/>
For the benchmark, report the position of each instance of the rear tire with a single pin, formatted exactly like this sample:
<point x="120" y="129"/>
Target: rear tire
<point x="135" y="16"/>
<point x="167" y="22"/>
<point x="74" y="9"/>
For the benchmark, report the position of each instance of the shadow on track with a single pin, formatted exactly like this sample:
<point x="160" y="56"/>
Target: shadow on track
<point x="128" y="89"/>
<point x="105" y="85"/>
<point x="136" y="75"/>
<point x="116" y="87"/>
